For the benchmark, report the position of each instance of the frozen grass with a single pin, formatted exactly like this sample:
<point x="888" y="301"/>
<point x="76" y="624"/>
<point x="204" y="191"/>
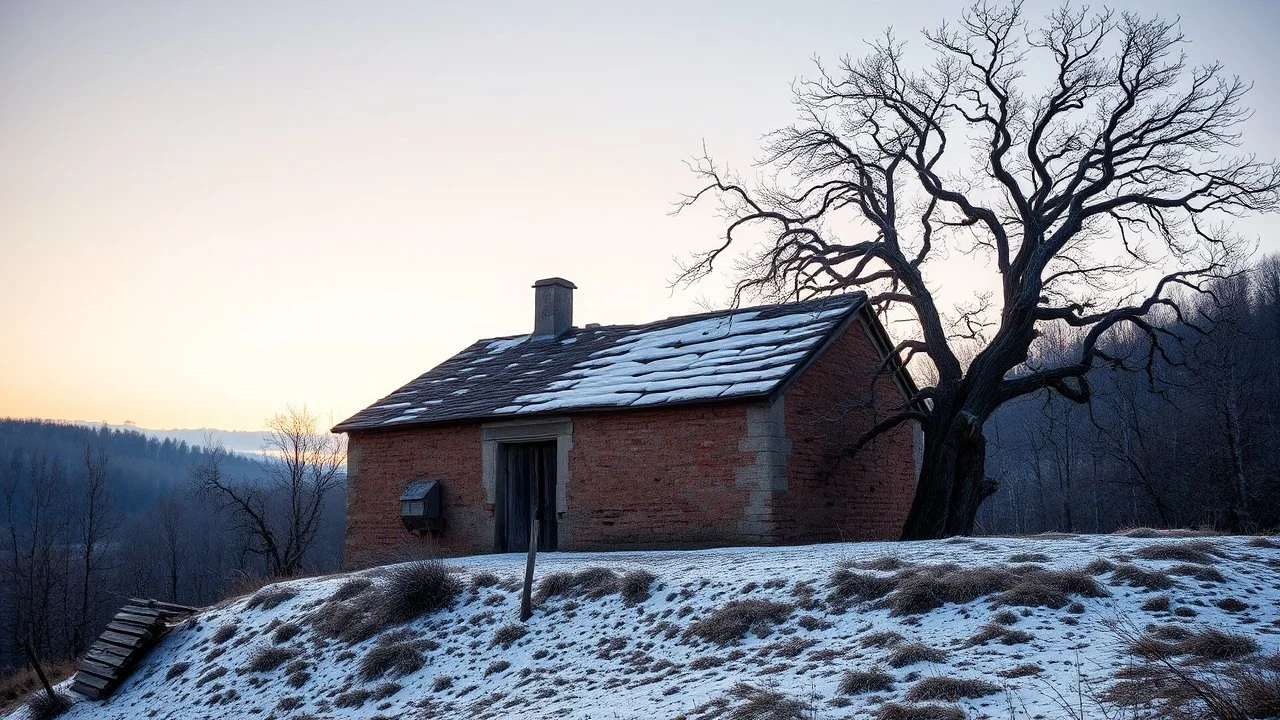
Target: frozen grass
<point x="731" y="622"/>
<point x="269" y="598"/>
<point x="779" y="619"/>
<point x="950" y="689"/>
<point x="43" y="706"/>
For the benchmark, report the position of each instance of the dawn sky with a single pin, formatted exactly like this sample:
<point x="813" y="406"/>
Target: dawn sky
<point x="209" y="211"/>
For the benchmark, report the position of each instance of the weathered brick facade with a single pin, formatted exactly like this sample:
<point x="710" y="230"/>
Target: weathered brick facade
<point x="730" y="473"/>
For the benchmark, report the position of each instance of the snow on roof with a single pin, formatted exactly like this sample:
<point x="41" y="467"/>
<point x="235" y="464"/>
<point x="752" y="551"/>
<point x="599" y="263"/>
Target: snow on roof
<point x="730" y="354"/>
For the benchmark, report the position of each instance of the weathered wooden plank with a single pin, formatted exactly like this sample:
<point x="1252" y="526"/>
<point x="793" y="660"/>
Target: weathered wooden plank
<point x="145" y="620"/>
<point x="92" y="680"/>
<point x="106" y="659"/>
<point x="88" y="691"/>
<point x="99" y="646"/>
<point x="126" y="641"/>
<point x="125" y="628"/>
<point x="163" y="605"/>
<point x="143" y="611"/>
<point x="97" y="668"/>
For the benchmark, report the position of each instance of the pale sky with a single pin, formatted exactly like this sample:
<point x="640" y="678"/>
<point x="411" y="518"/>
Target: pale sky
<point x="209" y="211"/>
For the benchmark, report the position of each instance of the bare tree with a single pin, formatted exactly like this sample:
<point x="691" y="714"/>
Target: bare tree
<point x="1093" y="198"/>
<point x="97" y="522"/>
<point x="281" y="516"/>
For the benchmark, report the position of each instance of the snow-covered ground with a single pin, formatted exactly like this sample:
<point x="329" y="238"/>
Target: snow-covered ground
<point x="603" y="657"/>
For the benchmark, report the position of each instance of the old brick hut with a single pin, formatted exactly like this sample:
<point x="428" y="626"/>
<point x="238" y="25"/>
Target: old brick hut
<point x="723" y="428"/>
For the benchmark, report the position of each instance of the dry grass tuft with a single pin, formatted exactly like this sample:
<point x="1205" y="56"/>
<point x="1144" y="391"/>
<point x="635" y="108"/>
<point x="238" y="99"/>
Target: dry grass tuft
<point x="1029" y="558"/>
<point x="269" y="598"/>
<point x="760" y="704"/>
<point x="1023" y="670"/>
<point x="286" y="632"/>
<point x="857" y="682"/>
<point x="848" y="586"/>
<point x="1231" y="604"/>
<point x="886" y="563"/>
<point x="999" y="633"/>
<point x="592" y="583"/>
<point x="176" y="669"/>
<point x="1159" y="603"/>
<point x="507" y="634"/>
<point x="1161" y="643"/>
<point x="731" y="622"/>
<point x="350" y="589"/>
<point x="1203" y="573"/>
<point x="266" y="659"/>
<point x="224" y="633"/>
<point x="950" y="689"/>
<point x="43" y="706"/>
<point x="926" y="588"/>
<point x="416" y="589"/>
<point x="898" y="711"/>
<point x="1139" y="577"/>
<point x="1264" y="542"/>
<point x="912" y="653"/>
<point x="634" y="587"/>
<point x="879" y="639"/>
<point x="1201" y="552"/>
<point x="397" y="657"/>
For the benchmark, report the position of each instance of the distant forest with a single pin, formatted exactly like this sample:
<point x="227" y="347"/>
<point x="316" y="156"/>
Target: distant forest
<point x="91" y="516"/>
<point x="1186" y="435"/>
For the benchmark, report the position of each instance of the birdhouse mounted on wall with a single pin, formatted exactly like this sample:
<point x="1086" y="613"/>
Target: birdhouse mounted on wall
<point x="422" y="507"/>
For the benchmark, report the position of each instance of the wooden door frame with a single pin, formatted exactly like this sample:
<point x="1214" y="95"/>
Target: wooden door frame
<point x="494" y="435"/>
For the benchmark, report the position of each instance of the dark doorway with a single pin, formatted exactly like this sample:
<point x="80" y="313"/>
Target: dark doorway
<point x="526" y="485"/>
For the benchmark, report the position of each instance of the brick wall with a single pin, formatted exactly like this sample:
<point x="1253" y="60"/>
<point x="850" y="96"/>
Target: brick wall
<point x="644" y="479"/>
<point x="831" y="497"/>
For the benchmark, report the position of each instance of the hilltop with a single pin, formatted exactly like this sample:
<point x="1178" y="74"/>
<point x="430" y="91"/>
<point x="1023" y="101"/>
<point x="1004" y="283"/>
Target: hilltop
<point x="963" y="628"/>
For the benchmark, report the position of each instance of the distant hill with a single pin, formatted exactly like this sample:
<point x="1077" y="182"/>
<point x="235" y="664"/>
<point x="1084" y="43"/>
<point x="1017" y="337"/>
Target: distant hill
<point x="246" y="442"/>
<point x="143" y="466"/>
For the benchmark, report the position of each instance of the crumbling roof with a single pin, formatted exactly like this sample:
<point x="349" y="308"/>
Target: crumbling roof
<point x="730" y="354"/>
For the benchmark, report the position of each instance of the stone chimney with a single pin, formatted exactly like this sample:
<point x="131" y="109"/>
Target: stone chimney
<point x="552" y="308"/>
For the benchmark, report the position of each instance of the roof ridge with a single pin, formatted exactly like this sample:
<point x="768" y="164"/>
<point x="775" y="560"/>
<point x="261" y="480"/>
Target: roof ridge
<point x="851" y="297"/>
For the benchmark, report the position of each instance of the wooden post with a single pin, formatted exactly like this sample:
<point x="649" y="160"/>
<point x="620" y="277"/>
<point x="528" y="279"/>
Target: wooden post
<point x="35" y="665"/>
<point x="526" y="597"/>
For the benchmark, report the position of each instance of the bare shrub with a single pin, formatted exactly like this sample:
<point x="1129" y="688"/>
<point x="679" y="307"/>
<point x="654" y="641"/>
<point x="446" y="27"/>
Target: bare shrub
<point x="507" y="634"/>
<point x="732" y="621"/>
<point x="1202" y="552"/>
<point x="270" y="597"/>
<point x="635" y="587"/>
<point x="857" y="682"/>
<point x="592" y="583"/>
<point x="912" y="653"/>
<point x="757" y="704"/>
<point x="950" y="689"/>
<point x="442" y="683"/>
<point x="350" y="589"/>
<point x="266" y="659"/>
<point x="397" y="657"/>
<point x="1138" y="577"/>
<point x="495" y="667"/>
<point x="898" y="711"/>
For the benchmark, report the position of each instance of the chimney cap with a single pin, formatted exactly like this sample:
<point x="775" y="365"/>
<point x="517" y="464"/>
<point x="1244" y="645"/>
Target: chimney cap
<point x="555" y="281"/>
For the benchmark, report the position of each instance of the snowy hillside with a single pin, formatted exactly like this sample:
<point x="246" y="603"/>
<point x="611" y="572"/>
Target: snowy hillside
<point x="965" y="628"/>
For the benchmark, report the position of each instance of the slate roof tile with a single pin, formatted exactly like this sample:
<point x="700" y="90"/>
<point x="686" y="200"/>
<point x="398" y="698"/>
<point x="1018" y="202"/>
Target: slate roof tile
<point x="710" y="357"/>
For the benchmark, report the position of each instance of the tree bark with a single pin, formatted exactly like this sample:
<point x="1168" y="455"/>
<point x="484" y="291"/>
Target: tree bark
<point x="952" y="482"/>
